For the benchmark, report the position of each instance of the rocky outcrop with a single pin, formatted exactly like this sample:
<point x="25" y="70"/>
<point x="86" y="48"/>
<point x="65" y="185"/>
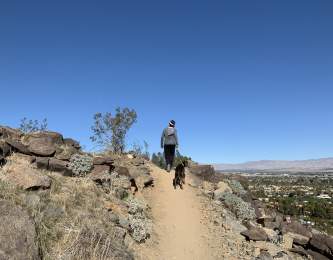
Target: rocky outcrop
<point x="323" y="244"/>
<point x="41" y="147"/>
<point x="255" y="234"/>
<point x="18" y="238"/>
<point x="17" y="146"/>
<point x="26" y="178"/>
<point x="10" y="133"/>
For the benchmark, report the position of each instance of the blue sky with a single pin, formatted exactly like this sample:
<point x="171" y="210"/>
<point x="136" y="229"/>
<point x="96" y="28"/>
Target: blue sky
<point x="245" y="80"/>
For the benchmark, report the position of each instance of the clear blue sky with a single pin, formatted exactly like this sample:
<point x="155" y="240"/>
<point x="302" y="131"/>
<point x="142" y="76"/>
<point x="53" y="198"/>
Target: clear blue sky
<point x="245" y="80"/>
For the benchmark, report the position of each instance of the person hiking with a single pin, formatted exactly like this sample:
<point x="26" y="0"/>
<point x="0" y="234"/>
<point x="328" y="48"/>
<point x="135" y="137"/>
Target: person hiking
<point x="169" y="142"/>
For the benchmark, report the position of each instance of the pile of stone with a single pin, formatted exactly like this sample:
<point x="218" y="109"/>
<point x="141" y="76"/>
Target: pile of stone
<point x="50" y="151"/>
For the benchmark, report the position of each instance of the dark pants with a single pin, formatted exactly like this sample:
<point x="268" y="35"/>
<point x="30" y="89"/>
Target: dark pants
<point x="169" y="154"/>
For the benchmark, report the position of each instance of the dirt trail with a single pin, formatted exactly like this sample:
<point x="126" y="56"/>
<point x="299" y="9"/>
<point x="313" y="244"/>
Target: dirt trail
<point x="180" y="231"/>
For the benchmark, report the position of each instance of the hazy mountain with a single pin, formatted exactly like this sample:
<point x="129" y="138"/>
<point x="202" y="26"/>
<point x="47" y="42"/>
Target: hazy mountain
<point x="306" y="165"/>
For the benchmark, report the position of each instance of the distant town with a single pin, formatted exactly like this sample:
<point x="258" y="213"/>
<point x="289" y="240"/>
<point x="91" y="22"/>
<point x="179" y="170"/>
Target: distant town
<point x="306" y="196"/>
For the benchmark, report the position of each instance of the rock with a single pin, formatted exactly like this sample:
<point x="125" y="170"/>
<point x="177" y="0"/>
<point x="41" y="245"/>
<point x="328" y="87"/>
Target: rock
<point x="299" y="250"/>
<point x="32" y="200"/>
<point x="113" y="218"/>
<point x="52" y="137"/>
<point x="2" y="160"/>
<point x="10" y="133"/>
<point x="144" y="181"/>
<point x="317" y="256"/>
<point x="59" y="166"/>
<point x="299" y="239"/>
<point x="264" y="255"/>
<point x="208" y="188"/>
<point x="4" y="149"/>
<point x="202" y="170"/>
<point x="121" y="170"/>
<point x="41" y="147"/>
<point x="222" y="188"/>
<point x="28" y="158"/>
<point x="100" y="174"/>
<point x="72" y="143"/>
<point x="124" y="223"/>
<point x="323" y="244"/>
<point x="255" y="234"/>
<point x="295" y="227"/>
<point x="26" y="178"/>
<point x="18" y="239"/>
<point x="120" y="193"/>
<point x="53" y="212"/>
<point x="103" y="160"/>
<point x="42" y="163"/>
<point x="17" y="146"/>
<point x="272" y="235"/>
<point x="65" y="153"/>
<point x="223" y="185"/>
<point x="287" y="241"/>
<point x="130" y="156"/>
<point x="100" y="169"/>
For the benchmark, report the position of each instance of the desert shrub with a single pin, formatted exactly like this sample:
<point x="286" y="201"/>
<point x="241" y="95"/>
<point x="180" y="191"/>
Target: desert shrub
<point x="110" y="131"/>
<point x="240" y="208"/>
<point x="81" y="164"/>
<point x="29" y="125"/>
<point x="236" y="187"/>
<point x="140" y="224"/>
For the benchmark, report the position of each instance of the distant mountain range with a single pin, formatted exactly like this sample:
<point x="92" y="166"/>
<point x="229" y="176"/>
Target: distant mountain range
<point x="300" y="165"/>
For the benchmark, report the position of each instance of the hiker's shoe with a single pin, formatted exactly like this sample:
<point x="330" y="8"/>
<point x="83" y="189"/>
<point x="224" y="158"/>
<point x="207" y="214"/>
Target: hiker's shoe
<point x="168" y="168"/>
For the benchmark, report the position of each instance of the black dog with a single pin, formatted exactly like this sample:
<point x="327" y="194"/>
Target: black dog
<point x="179" y="179"/>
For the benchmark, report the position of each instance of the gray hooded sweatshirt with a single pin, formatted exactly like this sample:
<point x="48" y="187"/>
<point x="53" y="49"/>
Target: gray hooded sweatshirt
<point x="169" y="136"/>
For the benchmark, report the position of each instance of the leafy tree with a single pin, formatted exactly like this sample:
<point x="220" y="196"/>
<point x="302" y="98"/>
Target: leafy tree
<point x="29" y="125"/>
<point x="140" y="150"/>
<point x="158" y="159"/>
<point x="110" y="131"/>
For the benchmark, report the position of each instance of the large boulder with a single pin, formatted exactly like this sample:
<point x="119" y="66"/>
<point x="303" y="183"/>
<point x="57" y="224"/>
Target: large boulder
<point x="255" y="234"/>
<point x="18" y="237"/>
<point x="65" y="152"/>
<point x="52" y="137"/>
<point x="59" y="166"/>
<point x="323" y="244"/>
<point x="103" y="160"/>
<point x="299" y="239"/>
<point x="317" y="256"/>
<point x="41" y="147"/>
<point x="10" y="133"/>
<point x="297" y="228"/>
<point x="42" y="163"/>
<point x="26" y="178"/>
<point x="17" y="146"/>
<point x="100" y="169"/>
<point x="122" y="170"/>
<point x="4" y="149"/>
<point x="73" y="143"/>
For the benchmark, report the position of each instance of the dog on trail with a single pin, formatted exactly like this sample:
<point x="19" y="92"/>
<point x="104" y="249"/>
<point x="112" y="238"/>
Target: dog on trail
<point x="179" y="179"/>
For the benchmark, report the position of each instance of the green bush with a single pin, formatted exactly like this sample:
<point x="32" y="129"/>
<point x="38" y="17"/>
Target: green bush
<point x="240" y="208"/>
<point x="236" y="187"/>
<point x="81" y="164"/>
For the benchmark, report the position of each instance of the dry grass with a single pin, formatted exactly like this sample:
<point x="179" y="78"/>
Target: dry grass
<point x="71" y="219"/>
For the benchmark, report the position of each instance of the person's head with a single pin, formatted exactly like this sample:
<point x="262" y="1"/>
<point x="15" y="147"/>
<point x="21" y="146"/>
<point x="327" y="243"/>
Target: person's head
<point x="172" y="123"/>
